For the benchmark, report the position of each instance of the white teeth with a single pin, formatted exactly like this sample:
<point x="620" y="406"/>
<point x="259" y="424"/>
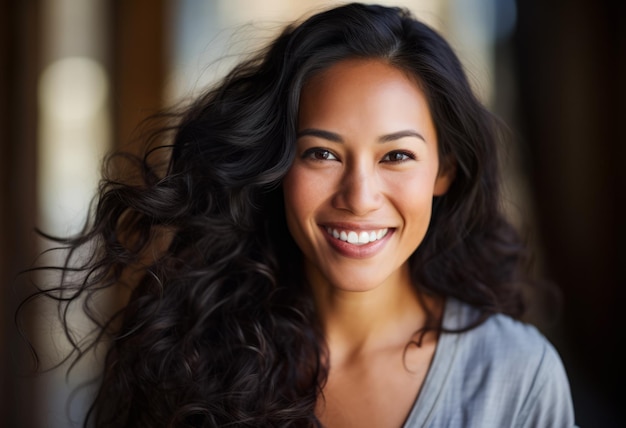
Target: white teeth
<point x="357" y="238"/>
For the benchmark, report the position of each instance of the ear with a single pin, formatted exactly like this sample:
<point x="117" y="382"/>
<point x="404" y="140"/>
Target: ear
<point x="445" y="177"/>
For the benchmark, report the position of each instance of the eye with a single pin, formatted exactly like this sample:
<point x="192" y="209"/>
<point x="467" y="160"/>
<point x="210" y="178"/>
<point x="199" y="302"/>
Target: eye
<point x="398" y="156"/>
<point x="318" y="154"/>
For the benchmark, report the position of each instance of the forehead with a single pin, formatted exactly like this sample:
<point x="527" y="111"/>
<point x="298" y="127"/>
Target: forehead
<point x="365" y="69"/>
<point x="362" y="93"/>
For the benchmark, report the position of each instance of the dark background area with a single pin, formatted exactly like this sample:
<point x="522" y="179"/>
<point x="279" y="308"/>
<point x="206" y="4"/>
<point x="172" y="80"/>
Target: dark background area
<point x="569" y="59"/>
<point x="571" y="68"/>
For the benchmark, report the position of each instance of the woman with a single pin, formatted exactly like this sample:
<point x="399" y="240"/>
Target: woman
<point x="326" y="247"/>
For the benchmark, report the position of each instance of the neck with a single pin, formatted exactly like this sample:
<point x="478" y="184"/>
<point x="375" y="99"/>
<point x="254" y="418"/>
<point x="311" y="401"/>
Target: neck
<point x="358" y="322"/>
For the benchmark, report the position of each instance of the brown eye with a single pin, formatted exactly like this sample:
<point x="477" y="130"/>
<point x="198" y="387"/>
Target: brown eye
<point x="398" y="157"/>
<point x="319" y="154"/>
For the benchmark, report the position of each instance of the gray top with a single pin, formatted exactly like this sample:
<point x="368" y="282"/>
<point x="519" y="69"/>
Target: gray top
<point x="503" y="373"/>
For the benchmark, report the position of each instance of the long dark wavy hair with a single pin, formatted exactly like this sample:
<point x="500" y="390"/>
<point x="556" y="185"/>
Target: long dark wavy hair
<point x="217" y="326"/>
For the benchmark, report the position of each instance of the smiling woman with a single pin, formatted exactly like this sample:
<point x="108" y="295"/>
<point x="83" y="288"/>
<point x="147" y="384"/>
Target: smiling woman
<point x="358" y="201"/>
<point x="325" y="247"/>
<point x="366" y="165"/>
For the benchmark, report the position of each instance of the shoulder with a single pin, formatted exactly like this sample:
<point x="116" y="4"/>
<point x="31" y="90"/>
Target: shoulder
<point x="505" y="369"/>
<point x="500" y="340"/>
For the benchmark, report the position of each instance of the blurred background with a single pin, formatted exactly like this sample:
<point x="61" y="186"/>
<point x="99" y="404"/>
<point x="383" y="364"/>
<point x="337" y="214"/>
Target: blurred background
<point x="76" y="77"/>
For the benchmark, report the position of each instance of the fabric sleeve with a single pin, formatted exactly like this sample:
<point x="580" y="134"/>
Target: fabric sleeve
<point x="549" y="402"/>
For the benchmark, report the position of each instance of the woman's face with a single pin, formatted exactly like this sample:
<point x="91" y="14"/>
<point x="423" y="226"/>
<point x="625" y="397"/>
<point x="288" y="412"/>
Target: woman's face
<point x="358" y="197"/>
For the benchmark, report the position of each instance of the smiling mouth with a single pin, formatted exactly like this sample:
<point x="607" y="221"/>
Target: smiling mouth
<point x="360" y="237"/>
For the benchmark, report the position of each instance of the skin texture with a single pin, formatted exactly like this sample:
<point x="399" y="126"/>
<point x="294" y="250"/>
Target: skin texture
<point x="366" y="161"/>
<point x="369" y="173"/>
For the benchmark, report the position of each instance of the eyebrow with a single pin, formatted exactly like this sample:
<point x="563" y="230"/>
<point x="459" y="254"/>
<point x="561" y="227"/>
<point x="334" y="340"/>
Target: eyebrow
<point x="336" y="138"/>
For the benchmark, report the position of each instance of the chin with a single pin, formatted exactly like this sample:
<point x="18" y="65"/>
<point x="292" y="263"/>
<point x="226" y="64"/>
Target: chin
<point x="361" y="282"/>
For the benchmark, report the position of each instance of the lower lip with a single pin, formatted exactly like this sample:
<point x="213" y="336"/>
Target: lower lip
<point x="357" y="251"/>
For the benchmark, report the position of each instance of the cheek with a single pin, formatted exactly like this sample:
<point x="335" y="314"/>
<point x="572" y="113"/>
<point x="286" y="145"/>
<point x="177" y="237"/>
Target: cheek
<point x="413" y="187"/>
<point x="298" y="199"/>
<point x="305" y="190"/>
<point x="293" y="191"/>
<point x="413" y="197"/>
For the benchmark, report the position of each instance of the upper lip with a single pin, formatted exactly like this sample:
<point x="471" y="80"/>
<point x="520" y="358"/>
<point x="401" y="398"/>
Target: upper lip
<point x="355" y="226"/>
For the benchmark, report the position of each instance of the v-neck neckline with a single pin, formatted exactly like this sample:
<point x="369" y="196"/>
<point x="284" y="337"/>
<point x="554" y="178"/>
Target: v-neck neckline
<point x="440" y="368"/>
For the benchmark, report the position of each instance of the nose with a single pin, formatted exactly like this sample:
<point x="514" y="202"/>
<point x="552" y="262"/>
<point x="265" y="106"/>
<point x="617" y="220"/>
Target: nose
<point x="359" y="191"/>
